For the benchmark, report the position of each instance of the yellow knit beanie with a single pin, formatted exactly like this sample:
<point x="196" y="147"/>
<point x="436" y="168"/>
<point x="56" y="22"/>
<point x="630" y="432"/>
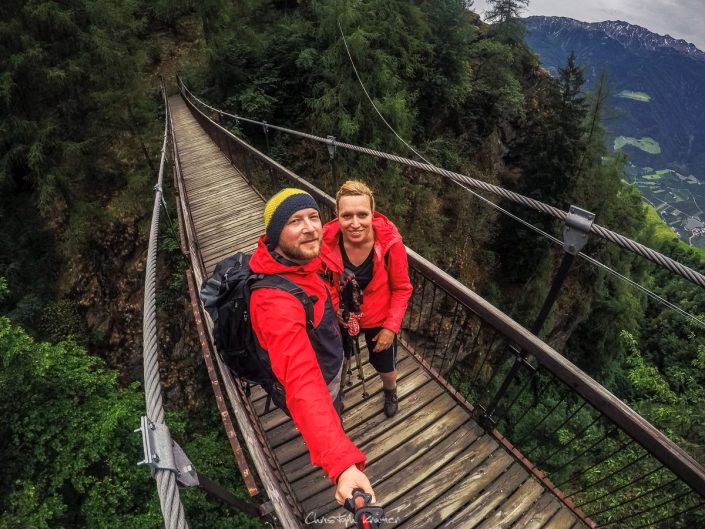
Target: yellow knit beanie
<point x="282" y="206"/>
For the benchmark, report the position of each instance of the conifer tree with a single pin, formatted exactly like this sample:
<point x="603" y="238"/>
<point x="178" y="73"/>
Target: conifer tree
<point x="505" y="14"/>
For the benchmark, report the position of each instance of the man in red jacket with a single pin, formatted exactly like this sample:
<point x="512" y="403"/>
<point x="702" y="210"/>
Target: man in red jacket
<point x="307" y="364"/>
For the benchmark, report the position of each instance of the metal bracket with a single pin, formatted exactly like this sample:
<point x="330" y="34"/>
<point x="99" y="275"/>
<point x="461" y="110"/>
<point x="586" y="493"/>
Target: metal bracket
<point x="186" y="475"/>
<point x="331" y="147"/>
<point x="157" y="445"/>
<point x="265" y="128"/>
<point x="267" y="509"/>
<point x="577" y="227"/>
<point x="521" y="359"/>
<point x="483" y="418"/>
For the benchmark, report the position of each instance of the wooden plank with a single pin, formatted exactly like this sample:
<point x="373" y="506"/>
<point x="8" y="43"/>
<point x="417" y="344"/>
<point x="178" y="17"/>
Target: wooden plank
<point x="217" y="238"/>
<point x="437" y="498"/>
<point x="207" y="244"/>
<point x="483" y="504"/>
<point x="213" y="219"/>
<point x="235" y="240"/>
<point x="432" y="421"/>
<point x="353" y="380"/>
<point x="514" y="507"/>
<point x="227" y="191"/>
<point x="409" y="375"/>
<point x="563" y="519"/>
<point x="285" y="432"/>
<point x="296" y="448"/>
<point x="276" y="417"/>
<point x="537" y="515"/>
<point x="227" y="184"/>
<point x="300" y="466"/>
<point x="244" y="245"/>
<point x="228" y="222"/>
<point x="427" y="464"/>
<point x="258" y="397"/>
<point x="225" y="204"/>
<point x="360" y="419"/>
<point x="205" y="174"/>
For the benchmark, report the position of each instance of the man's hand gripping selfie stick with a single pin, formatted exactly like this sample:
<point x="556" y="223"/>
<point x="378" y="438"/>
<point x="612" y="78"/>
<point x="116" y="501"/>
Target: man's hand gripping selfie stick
<point x="366" y="516"/>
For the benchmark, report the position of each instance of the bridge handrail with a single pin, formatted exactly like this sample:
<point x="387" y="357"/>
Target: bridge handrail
<point x="285" y="515"/>
<point x="605" y="233"/>
<point x="654" y="442"/>
<point x="643" y="432"/>
<point x="169" y="498"/>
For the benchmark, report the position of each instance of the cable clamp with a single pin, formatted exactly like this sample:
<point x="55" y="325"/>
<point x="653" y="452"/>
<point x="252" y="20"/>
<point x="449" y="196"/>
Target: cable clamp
<point x="331" y="147"/>
<point x="577" y="227"/>
<point x="157" y="445"/>
<point x="265" y="128"/>
<point x="158" y="188"/>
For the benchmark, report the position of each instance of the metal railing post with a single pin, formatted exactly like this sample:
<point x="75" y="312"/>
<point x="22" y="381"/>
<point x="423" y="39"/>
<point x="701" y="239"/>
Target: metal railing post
<point x="331" y="160"/>
<point x="575" y="234"/>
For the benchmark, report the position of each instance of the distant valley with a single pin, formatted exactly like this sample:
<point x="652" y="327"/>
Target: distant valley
<point x="658" y="107"/>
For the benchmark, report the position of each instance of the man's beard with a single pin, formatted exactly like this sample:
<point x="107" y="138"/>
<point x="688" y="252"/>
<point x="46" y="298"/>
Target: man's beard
<point x="301" y="253"/>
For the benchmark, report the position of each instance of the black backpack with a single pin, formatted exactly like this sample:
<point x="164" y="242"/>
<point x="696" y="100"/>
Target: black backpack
<point x="226" y="298"/>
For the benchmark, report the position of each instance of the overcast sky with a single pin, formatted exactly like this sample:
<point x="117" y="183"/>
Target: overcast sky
<point x="681" y="19"/>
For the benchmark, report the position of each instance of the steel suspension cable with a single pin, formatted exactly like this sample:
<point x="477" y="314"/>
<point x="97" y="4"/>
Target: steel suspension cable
<point x="510" y="195"/>
<point x="169" y="498"/>
<point x="614" y="237"/>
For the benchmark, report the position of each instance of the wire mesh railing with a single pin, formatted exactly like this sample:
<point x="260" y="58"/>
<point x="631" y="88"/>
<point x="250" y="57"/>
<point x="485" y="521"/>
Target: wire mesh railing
<point x="597" y="455"/>
<point x="602" y="457"/>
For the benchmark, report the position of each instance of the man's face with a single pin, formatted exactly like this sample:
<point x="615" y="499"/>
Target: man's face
<point x="300" y="239"/>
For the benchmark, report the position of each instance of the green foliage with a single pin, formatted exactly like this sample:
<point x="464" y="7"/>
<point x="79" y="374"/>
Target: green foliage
<point x="61" y="320"/>
<point x="86" y="58"/>
<point x="76" y="127"/>
<point x="28" y="261"/>
<point x="169" y="12"/>
<point x="170" y="294"/>
<point x="213" y="457"/>
<point x="68" y="450"/>
<point x="4" y="291"/>
<point x="505" y="14"/>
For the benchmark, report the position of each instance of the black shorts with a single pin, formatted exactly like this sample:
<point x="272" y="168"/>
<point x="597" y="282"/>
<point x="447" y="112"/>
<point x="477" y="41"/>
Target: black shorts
<point x="383" y="361"/>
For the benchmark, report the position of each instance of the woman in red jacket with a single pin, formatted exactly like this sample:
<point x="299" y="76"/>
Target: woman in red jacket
<point x="364" y="243"/>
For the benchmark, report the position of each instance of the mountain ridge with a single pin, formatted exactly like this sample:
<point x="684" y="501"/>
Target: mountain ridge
<point x="668" y="74"/>
<point x="629" y="35"/>
<point x="657" y="110"/>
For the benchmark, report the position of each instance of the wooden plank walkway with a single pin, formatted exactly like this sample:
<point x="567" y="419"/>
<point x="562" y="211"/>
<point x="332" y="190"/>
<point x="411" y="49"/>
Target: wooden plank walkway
<point x="431" y="465"/>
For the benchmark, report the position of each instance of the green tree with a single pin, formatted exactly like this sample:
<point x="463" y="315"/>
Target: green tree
<point x="78" y="138"/>
<point x="67" y="446"/>
<point x="505" y="14"/>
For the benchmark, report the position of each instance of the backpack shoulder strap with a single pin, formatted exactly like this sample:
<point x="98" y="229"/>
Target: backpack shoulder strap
<point x="257" y="281"/>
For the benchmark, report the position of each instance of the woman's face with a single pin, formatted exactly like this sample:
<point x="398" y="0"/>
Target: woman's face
<point x="355" y="218"/>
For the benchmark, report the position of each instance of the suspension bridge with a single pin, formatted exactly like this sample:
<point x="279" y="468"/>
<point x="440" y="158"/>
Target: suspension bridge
<point x="449" y="458"/>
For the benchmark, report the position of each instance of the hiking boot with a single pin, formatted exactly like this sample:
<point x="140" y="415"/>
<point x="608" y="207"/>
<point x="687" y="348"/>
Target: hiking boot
<point x="391" y="404"/>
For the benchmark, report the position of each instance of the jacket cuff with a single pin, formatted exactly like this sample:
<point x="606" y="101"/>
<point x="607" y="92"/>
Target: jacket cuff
<point x="338" y="467"/>
<point x="392" y="324"/>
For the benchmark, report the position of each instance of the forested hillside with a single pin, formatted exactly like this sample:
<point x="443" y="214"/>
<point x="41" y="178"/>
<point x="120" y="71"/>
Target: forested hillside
<point x="81" y="122"/>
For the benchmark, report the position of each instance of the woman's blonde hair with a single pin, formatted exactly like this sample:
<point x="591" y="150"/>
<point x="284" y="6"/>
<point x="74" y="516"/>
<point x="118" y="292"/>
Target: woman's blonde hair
<point x="354" y="188"/>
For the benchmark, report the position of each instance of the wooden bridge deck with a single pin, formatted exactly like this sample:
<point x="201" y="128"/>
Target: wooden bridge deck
<point x="431" y="465"/>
